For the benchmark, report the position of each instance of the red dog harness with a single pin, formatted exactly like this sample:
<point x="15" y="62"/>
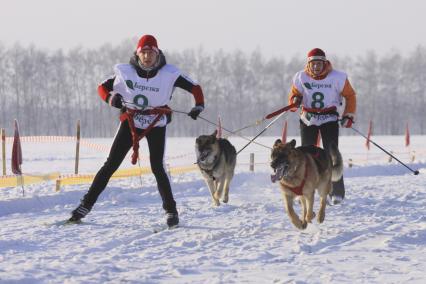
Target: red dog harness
<point x="130" y="113"/>
<point x="298" y="190"/>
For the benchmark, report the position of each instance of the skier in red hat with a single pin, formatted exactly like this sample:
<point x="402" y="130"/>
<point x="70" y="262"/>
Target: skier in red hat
<point x="320" y="90"/>
<point x="142" y="89"/>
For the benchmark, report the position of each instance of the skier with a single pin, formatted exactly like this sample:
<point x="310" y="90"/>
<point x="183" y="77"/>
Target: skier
<point x="319" y="90"/>
<point x="142" y="89"/>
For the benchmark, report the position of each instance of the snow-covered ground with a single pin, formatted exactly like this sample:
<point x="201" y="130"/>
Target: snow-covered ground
<point x="378" y="235"/>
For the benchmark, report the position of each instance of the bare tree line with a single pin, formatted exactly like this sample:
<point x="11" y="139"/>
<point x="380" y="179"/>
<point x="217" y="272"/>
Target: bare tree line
<point x="49" y="91"/>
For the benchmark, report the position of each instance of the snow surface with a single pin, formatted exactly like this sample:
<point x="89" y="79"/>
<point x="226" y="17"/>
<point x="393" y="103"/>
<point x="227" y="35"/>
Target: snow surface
<point x="378" y="235"/>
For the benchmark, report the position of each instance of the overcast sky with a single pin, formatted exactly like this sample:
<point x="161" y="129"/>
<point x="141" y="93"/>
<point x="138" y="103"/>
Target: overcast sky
<point x="276" y="27"/>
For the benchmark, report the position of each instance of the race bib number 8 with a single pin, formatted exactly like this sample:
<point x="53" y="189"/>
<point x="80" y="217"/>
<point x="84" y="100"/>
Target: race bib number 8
<point x="317" y="100"/>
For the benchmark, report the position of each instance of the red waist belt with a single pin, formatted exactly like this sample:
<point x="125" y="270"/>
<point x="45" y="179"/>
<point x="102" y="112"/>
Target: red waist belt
<point x="327" y="110"/>
<point x="130" y="113"/>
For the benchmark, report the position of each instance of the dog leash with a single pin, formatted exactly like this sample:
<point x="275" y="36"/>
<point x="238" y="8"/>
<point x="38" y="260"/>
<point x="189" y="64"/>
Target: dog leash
<point x="227" y="130"/>
<point x="263" y="130"/>
<point x="268" y="116"/>
<point x="257" y="122"/>
<point x="278" y="113"/>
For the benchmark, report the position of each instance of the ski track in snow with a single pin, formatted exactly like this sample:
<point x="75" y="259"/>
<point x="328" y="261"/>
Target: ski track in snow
<point x="378" y="235"/>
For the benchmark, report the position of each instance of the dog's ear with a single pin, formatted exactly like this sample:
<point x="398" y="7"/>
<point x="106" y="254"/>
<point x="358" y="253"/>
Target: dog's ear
<point x="215" y="133"/>
<point x="277" y="142"/>
<point x="292" y="143"/>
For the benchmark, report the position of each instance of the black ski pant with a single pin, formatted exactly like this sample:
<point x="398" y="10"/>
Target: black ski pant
<point x="329" y="134"/>
<point x="120" y="147"/>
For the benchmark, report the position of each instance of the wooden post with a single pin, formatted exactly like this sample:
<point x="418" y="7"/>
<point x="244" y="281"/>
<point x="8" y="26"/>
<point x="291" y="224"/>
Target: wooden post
<point x="252" y="162"/>
<point x="413" y="156"/>
<point x="58" y="185"/>
<point x="3" y="150"/>
<point x="168" y="171"/>
<point x="20" y="182"/>
<point x="390" y="157"/>
<point x="77" y="148"/>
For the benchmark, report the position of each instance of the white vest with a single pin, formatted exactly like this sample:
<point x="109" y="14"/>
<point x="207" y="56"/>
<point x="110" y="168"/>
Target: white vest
<point x="320" y="94"/>
<point x="143" y="94"/>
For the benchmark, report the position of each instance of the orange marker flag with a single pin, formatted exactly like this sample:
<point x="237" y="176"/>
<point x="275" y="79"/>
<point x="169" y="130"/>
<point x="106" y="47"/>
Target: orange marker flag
<point x="284" y="135"/>
<point x="219" y="128"/>
<point x="407" y="136"/>
<point x="16" y="152"/>
<point x="370" y="131"/>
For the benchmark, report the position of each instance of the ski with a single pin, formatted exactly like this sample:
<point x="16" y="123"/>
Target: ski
<point x="63" y="223"/>
<point x="164" y="228"/>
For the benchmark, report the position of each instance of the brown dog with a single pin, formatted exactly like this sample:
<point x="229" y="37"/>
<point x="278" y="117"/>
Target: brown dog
<point x="302" y="170"/>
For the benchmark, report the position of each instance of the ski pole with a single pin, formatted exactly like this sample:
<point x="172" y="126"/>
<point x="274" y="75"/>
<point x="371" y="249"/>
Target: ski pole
<point x="415" y="172"/>
<point x="264" y="129"/>
<point x="233" y="132"/>
<point x="281" y="110"/>
<point x="268" y="116"/>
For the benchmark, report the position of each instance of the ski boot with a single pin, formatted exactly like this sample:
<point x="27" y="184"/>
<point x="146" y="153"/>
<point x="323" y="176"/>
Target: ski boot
<point x="172" y="219"/>
<point x="79" y="213"/>
<point x="334" y="200"/>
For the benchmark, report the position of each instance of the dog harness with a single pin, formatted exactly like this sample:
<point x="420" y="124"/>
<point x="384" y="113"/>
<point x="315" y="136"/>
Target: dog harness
<point x="130" y="113"/>
<point x="298" y="190"/>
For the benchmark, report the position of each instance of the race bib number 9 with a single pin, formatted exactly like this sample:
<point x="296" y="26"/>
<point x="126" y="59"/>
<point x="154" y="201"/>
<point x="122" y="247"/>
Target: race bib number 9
<point x="140" y="101"/>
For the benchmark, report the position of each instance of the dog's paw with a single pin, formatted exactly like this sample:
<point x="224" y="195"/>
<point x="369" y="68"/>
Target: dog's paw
<point x="301" y="225"/>
<point x="309" y="218"/>
<point x="321" y="218"/>
<point x="225" y="199"/>
<point x="216" y="202"/>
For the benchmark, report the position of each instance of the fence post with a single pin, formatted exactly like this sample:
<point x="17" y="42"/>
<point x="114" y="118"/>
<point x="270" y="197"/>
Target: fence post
<point x="3" y="149"/>
<point x="58" y="184"/>
<point x="252" y="162"/>
<point x="77" y="148"/>
<point x="413" y="156"/>
<point x="168" y="171"/>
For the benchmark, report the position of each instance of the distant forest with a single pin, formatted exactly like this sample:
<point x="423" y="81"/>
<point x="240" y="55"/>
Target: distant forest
<point x="48" y="91"/>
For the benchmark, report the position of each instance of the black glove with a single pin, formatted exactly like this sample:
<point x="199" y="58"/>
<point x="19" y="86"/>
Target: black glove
<point x="116" y="101"/>
<point x="195" y="111"/>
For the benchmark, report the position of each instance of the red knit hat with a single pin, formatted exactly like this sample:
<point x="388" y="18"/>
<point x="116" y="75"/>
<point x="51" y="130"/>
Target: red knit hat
<point x="316" y="54"/>
<point x="147" y="42"/>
